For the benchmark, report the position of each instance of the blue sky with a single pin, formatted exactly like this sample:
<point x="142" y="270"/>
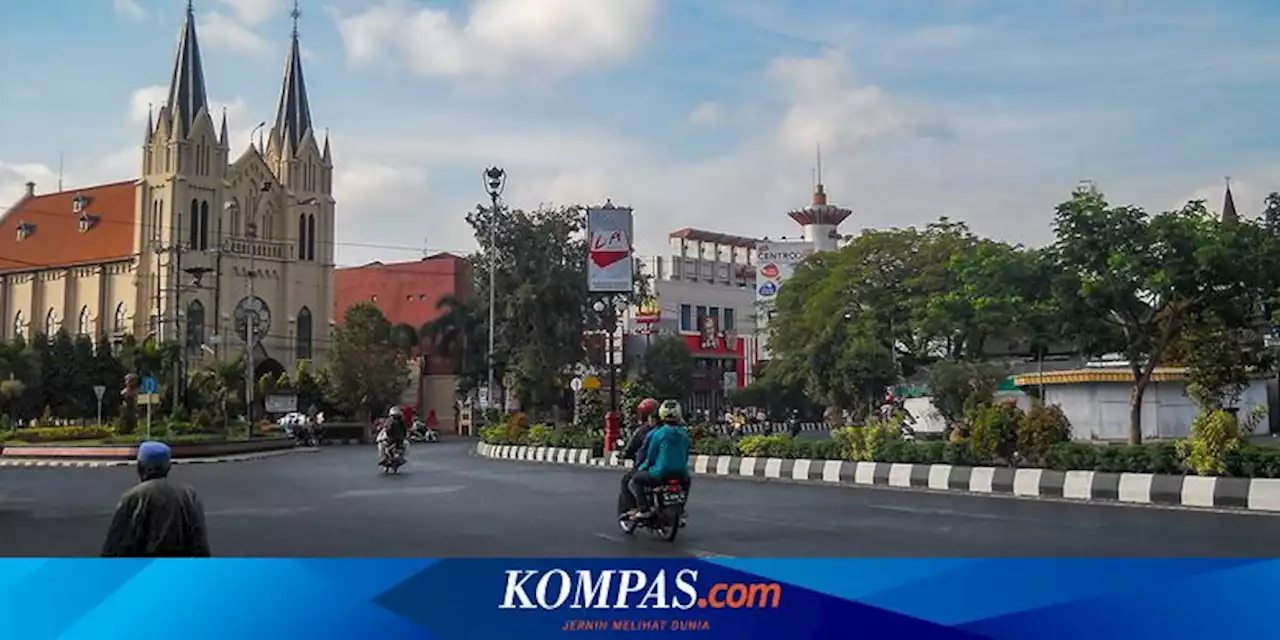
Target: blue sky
<point x="701" y="113"/>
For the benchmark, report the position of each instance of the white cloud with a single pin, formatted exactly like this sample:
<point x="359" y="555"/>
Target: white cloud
<point x="253" y="13"/>
<point x="707" y="114"/>
<point x="545" y="39"/>
<point x="130" y="9"/>
<point x="940" y="37"/>
<point x="14" y="177"/>
<point x="220" y="31"/>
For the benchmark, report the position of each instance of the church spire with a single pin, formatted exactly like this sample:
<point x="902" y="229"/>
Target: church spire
<point x="187" y="94"/>
<point x="1229" y="214"/>
<point x="293" y="115"/>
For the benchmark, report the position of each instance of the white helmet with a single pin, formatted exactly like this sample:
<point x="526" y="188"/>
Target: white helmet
<point x="395" y="412"/>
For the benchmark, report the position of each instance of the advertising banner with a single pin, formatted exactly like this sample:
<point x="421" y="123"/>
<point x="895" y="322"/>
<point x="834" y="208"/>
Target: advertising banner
<point x="734" y="598"/>
<point x="609" y="263"/>
<point x="777" y="261"/>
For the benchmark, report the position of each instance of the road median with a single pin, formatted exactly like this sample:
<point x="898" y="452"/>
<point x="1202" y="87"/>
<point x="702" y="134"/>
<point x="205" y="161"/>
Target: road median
<point x="1243" y="494"/>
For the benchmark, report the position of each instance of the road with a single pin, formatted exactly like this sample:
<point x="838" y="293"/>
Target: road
<point x="450" y="503"/>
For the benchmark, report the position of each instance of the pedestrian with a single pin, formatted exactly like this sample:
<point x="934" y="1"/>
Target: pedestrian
<point x="157" y="518"/>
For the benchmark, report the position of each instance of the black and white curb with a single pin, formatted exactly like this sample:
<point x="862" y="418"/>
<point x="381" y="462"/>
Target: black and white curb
<point x="1253" y="494"/>
<point x="770" y="428"/>
<point x="65" y="463"/>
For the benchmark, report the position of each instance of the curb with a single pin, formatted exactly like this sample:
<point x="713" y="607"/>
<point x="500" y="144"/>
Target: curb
<point x="1201" y="492"/>
<point x="94" y="464"/>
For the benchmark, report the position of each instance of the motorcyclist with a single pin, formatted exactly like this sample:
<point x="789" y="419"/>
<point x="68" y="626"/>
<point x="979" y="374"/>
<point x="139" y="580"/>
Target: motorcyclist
<point x="666" y="457"/>
<point x="647" y="411"/>
<point x="395" y="433"/>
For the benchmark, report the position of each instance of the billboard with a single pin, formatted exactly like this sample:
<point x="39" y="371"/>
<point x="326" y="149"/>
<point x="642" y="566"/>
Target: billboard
<point x="777" y="260"/>
<point x="609" y="263"/>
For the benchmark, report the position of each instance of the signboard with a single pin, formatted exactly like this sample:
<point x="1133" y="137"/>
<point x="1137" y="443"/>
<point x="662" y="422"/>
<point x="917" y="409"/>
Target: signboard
<point x="591" y="383"/>
<point x="484" y="397"/>
<point x="777" y="262"/>
<point x="148" y="398"/>
<point x="609" y="263"/>
<point x="281" y="403"/>
<point x="648" y="312"/>
<point x="99" y="390"/>
<point x="148" y="385"/>
<point x="576" y="385"/>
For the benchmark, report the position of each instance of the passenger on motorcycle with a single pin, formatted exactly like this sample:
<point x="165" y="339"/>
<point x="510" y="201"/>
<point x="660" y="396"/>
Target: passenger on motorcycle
<point x="393" y="433"/>
<point x="666" y="458"/>
<point x="634" y="450"/>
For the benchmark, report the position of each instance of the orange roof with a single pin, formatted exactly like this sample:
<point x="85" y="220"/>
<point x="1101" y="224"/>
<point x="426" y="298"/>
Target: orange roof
<point x="55" y="238"/>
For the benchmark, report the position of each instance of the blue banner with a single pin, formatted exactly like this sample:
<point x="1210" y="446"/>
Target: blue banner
<point x="720" y="598"/>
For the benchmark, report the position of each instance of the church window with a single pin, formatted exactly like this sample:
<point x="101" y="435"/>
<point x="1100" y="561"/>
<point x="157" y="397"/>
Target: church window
<point x="303" y="347"/>
<point x="85" y="326"/>
<point x="195" y="327"/>
<point x="302" y="236"/>
<point x="121" y="319"/>
<point x="311" y="237"/>
<point x="51" y="324"/>
<point x="235" y="218"/>
<point x="194" y="231"/>
<point x="19" y="326"/>
<point x="204" y="225"/>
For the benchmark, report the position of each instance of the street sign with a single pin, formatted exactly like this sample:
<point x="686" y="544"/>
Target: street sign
<point x="576" y="385"/>
<point x="484" y="397"/>
<point x="148" y="385"/>
<point x="591" y="383"/>
<point x="148" y="398"/>
<point x="99" y="390"/>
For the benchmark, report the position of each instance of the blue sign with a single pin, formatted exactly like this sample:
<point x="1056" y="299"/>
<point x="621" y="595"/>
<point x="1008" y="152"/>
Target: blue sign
<point x="148" y="385"/>
<point x="768" y="289"/>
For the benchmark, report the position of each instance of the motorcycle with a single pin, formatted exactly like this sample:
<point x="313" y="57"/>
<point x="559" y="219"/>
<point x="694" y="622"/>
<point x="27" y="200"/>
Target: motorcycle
<point x="421" y="434"/>
<point x="668" y="502"/>
<point x="307" y="435"/>
<point x="392" y="459"/>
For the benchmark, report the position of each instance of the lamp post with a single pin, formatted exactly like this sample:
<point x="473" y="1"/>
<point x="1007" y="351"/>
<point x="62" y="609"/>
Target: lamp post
<point x="609" y="314"/>
<point x="251" y="322"/>
<point x="495" y="181"/>
<point x="188" y="345"/>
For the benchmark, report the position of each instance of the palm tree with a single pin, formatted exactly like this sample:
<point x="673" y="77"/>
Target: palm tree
<point x="446" y="336"/>
<point x="405" y="338"/>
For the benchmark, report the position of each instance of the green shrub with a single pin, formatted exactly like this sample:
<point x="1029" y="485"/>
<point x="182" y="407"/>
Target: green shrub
<point x="775" y="446"/>
<point x="204" y="421"/>
<point x="539" y="435"/>
<point x="961" y="454"/>
<point x="994" y="433"/>
<point x="517" y="424"/>
<point x="1041" y="428"/>
<point x="45" y="421"/>
<point x="1254" y="462"/>
<point x="715" y="447"/>
<point x="495" y="434"/>
<point x="60" y="434"/>
<point x="1215" y="435"/>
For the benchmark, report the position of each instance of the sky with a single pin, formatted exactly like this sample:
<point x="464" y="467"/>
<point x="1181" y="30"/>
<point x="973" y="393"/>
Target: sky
<point x="697" y="113"/>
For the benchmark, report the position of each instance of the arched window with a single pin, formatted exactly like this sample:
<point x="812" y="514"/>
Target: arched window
<point x="204" y="225"/>
<point x="235" y="218"/>
<point x="85" y="326"/>
<point x="194" y="234"/>
<point x="119" y="324"/>
<point x="311" y="237"/>
<point x="195" y="327"/>
<point x="19" y="326"/>
<point x="51" y="325"/>
<point x="304" y="334"/>
<point x="302" y="236"/>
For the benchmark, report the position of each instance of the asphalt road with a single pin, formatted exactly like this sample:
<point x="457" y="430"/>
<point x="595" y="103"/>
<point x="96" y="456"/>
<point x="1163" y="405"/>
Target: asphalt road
<point x="449" y="503"/>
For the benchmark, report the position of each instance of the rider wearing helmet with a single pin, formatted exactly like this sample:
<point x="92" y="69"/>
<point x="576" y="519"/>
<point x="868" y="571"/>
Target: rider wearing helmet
<point x="666" y="457"/>
<point x="635" y="451"/>
<point x="396" y="429"/>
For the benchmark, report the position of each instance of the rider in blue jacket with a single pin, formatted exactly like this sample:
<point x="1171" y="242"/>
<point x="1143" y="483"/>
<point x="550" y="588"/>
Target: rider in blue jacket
<point x="666" y="457"/>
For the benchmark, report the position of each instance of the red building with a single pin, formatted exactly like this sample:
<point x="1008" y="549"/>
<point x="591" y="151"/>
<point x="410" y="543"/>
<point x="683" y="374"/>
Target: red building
<point x="409" y="293"/>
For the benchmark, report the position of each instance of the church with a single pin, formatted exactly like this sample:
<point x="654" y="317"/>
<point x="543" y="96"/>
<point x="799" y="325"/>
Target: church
<point x="216" y="252"/>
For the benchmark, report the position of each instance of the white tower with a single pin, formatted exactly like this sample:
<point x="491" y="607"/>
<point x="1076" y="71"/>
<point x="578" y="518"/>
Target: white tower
<point x="820" y="221"/>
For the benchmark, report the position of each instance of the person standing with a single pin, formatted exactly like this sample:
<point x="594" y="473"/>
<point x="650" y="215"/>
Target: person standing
<point x="157" y="518"/>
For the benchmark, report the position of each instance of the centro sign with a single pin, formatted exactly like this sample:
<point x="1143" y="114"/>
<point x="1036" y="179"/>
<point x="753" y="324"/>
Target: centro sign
<point x="781" y="256"/>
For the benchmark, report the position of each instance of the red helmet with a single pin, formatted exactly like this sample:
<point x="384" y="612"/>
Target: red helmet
<point x="646" y="408"/>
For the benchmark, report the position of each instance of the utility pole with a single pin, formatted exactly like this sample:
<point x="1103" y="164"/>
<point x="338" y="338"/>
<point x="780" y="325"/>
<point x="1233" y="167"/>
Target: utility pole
<point x="169" y="290"/>
<point x="495" y="183"/>
<point x="251" y="314"/>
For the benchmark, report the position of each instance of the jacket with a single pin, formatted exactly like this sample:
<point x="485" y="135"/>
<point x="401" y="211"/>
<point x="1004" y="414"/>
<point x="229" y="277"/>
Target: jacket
<point x="668" y="452"/>
<point x="396" y="429"/>
<point x="158" y="519"/>
<point x="636" y="445"/>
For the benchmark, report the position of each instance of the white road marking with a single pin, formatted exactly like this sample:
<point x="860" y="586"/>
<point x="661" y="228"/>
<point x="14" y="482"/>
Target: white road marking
<point x="395" y="491"/>
<point x="707" y="554"/>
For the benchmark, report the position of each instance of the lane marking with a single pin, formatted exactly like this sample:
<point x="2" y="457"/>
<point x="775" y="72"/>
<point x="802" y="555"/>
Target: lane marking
<point x="396" y="491"/>
<point x="708" y="555"/>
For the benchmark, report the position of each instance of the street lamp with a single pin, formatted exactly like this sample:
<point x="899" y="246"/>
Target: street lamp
<point x="495" y="181"/>
<point x="608" y="314"/>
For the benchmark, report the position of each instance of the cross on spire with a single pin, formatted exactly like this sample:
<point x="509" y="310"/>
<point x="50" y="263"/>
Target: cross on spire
<point x="295" y="14"/>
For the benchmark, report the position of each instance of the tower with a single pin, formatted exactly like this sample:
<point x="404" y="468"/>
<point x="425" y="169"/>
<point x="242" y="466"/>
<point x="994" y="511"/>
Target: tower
<point x="1229" y="214"/>
<point x="184" y="164"/>
<point x="820" y="221"/>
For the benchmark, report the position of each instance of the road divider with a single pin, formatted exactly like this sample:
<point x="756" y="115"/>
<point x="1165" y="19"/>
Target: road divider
<point x="65" y="463"/>
<point x="1248" y="494"/>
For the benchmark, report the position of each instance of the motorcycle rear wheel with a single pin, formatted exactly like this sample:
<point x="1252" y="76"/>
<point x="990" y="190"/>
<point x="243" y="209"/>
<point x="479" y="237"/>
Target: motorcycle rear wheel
<point x="670" y="526"/>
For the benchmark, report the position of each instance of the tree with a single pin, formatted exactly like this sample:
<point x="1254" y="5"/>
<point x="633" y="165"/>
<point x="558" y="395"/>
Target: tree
<point x="1148" y="277"/>
<point x="365" y="366"/>
<point x="458" y="334"/>
<point x="667" y="368"/>
<point x="543" y="302"/>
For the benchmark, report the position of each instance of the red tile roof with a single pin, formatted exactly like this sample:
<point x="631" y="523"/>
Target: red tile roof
<point x="56" y="239"/>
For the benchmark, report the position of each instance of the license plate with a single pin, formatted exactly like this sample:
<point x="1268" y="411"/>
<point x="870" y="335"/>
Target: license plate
<point x="672" y="498"/>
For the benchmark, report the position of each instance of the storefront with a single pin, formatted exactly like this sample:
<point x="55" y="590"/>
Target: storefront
<point x="719" y="358"/>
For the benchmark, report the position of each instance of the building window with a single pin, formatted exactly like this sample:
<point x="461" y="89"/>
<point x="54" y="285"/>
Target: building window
<point x="702" y="318"/>
<point x="119" y="324"/>
<point x="730" y="322"/>
<point x="686" y="317"/>
<point x="302" y="236"/>
<point x="19" y="326"/>
<point x="714" y="312"/>
<point x="51" y="325"/>
<point x="85" y="326"/>
<point x="193" y="234"/>
<point x="204" y="225"/>
<point x="235" y="218"/>
<point x="311" y="237"/>
<point x="304" y="334"/>
<point x="195" y="327"/>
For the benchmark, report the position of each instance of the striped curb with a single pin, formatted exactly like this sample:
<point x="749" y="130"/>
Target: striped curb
<point x="767" y="429"/>
<point x="1252" y="494"/>
<point x="93" y="464"/>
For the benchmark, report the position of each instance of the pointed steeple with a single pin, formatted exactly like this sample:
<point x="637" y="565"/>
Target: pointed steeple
<point x="293" y="115"/>
<point x="187" y="95"/>
<point x="151" y="125"/>
<point x="326" y="156"/>
<point x="223" y="139"/>
<point x="1229" y="215"/>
